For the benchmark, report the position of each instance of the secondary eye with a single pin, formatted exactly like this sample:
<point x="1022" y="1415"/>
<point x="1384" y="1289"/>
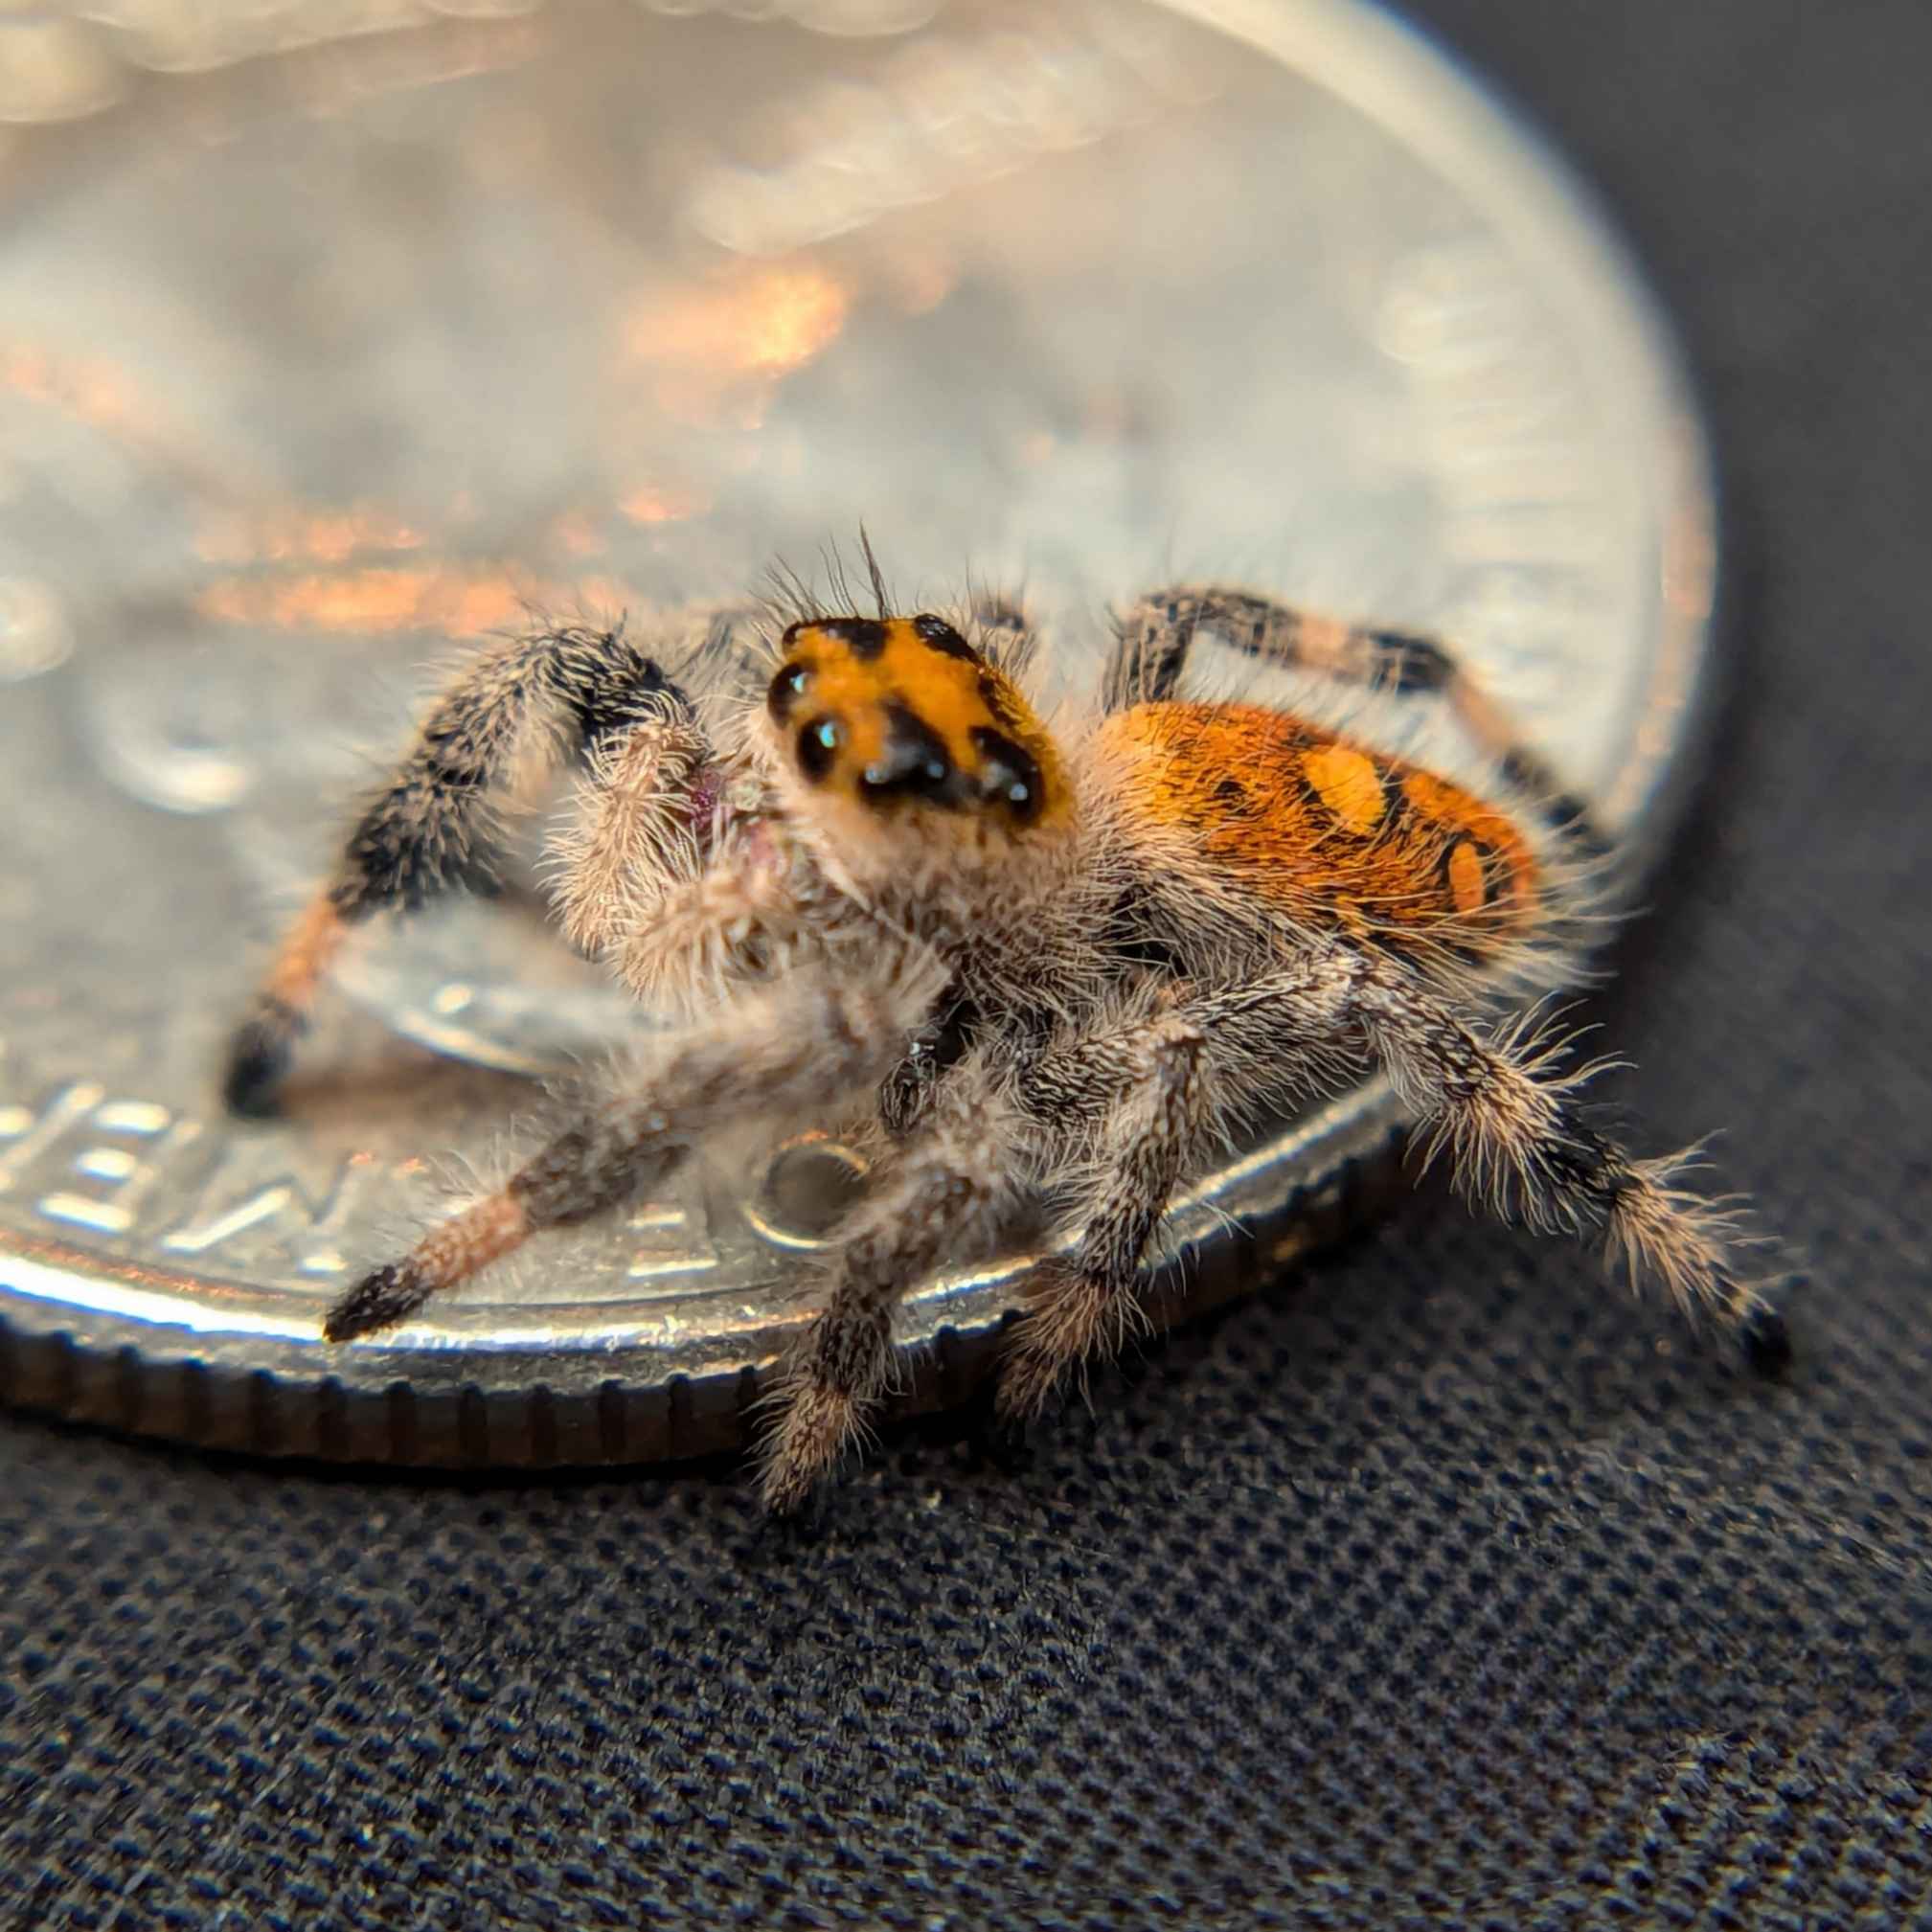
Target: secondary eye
<point x="787" y="689"/>
<point x="818" y="745"/>
<point x="913" y="763"/>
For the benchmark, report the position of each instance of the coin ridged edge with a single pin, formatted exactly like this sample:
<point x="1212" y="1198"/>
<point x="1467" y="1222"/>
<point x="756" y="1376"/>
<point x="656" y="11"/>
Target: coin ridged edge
<point x="126" y="1375"/>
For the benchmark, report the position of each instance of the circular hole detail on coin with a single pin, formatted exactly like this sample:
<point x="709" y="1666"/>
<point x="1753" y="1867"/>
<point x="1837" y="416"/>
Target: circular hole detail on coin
<point x="809" y="1184"/>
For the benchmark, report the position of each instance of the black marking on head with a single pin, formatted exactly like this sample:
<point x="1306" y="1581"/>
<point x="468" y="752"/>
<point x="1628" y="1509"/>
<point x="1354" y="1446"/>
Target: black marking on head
<point x="865" y="637"/>
<point x="914" y="762"/>
<point x="937" y="633"/>
<point x="1010" y="774"/>
<point x="997" y="695"/>
<point x="791" y="684"/>
<point x="818" y="745"/>
<point x="1405" y="664"/>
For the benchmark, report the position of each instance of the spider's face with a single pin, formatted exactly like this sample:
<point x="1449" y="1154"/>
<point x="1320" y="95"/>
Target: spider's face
<point x="903" y="718"/>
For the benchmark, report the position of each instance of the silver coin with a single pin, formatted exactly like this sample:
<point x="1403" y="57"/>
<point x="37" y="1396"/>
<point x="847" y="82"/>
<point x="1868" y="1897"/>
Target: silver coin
<point x="322" y="354"/>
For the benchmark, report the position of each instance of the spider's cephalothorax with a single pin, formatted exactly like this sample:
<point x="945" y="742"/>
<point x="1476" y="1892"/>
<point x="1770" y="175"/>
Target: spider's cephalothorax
<point x="1025" y="967"/>
<point x="914" y="771"/>
<point x="887" y="713"/>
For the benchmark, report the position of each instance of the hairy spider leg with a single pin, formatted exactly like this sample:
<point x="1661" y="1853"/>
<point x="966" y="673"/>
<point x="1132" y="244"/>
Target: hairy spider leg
<point x="1500" y="1100"/>
<point x="1156" y="636"/>
<point x="1146" y="1090"/>
<point x="817" y="1038"/>
<point x="941" y="1198"/>
<point x="431" y="827"/>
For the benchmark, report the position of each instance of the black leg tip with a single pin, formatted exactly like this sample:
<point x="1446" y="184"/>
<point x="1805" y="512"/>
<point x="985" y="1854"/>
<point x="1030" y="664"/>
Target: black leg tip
<point x="259" y="1059"/>
<point x="374" y="1302"/>
<point x="1765" y="1339"/>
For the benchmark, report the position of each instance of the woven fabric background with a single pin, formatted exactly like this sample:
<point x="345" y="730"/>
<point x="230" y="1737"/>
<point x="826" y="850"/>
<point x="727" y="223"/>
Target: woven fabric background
<point x="1433" y="1585"/>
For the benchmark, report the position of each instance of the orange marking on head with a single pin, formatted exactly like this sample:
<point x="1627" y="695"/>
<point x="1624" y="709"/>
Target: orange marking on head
<point x="897" y="709"/>
<point x="1350" y="785"/>
<point x="1258" y="794"/>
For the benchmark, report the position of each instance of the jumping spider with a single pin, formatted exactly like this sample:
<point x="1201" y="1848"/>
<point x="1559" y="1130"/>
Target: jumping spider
<point x="1018" y="966"/>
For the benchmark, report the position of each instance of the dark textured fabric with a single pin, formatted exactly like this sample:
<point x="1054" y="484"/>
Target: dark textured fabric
<point x="1435" y="1585"/>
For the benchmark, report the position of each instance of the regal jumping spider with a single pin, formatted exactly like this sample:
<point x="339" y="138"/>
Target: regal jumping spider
<point x="1020" y="966"/>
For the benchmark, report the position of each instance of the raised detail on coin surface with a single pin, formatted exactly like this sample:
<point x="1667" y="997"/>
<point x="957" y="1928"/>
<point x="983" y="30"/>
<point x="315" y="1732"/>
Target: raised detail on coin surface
<point x="527" y="320"/>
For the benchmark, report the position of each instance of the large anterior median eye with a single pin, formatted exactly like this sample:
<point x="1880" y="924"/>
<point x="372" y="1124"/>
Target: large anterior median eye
<point x="912" y="764"/>
<point x="818" y="745"/>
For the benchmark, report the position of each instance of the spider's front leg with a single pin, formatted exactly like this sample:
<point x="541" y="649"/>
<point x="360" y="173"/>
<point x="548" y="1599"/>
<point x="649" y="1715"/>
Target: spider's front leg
<point x="1141" y="1098"/>
<point x="639" y="829"/>
<point x="430" y="829"/>
<point x="815" y="1040"/>
<point x="942" y="1196"/>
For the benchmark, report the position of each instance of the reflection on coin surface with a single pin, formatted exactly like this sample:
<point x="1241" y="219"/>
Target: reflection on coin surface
<point x="325" y="356"/>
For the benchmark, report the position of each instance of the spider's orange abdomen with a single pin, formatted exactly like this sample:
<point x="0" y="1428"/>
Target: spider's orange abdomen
<point x="1273" y="806"/>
